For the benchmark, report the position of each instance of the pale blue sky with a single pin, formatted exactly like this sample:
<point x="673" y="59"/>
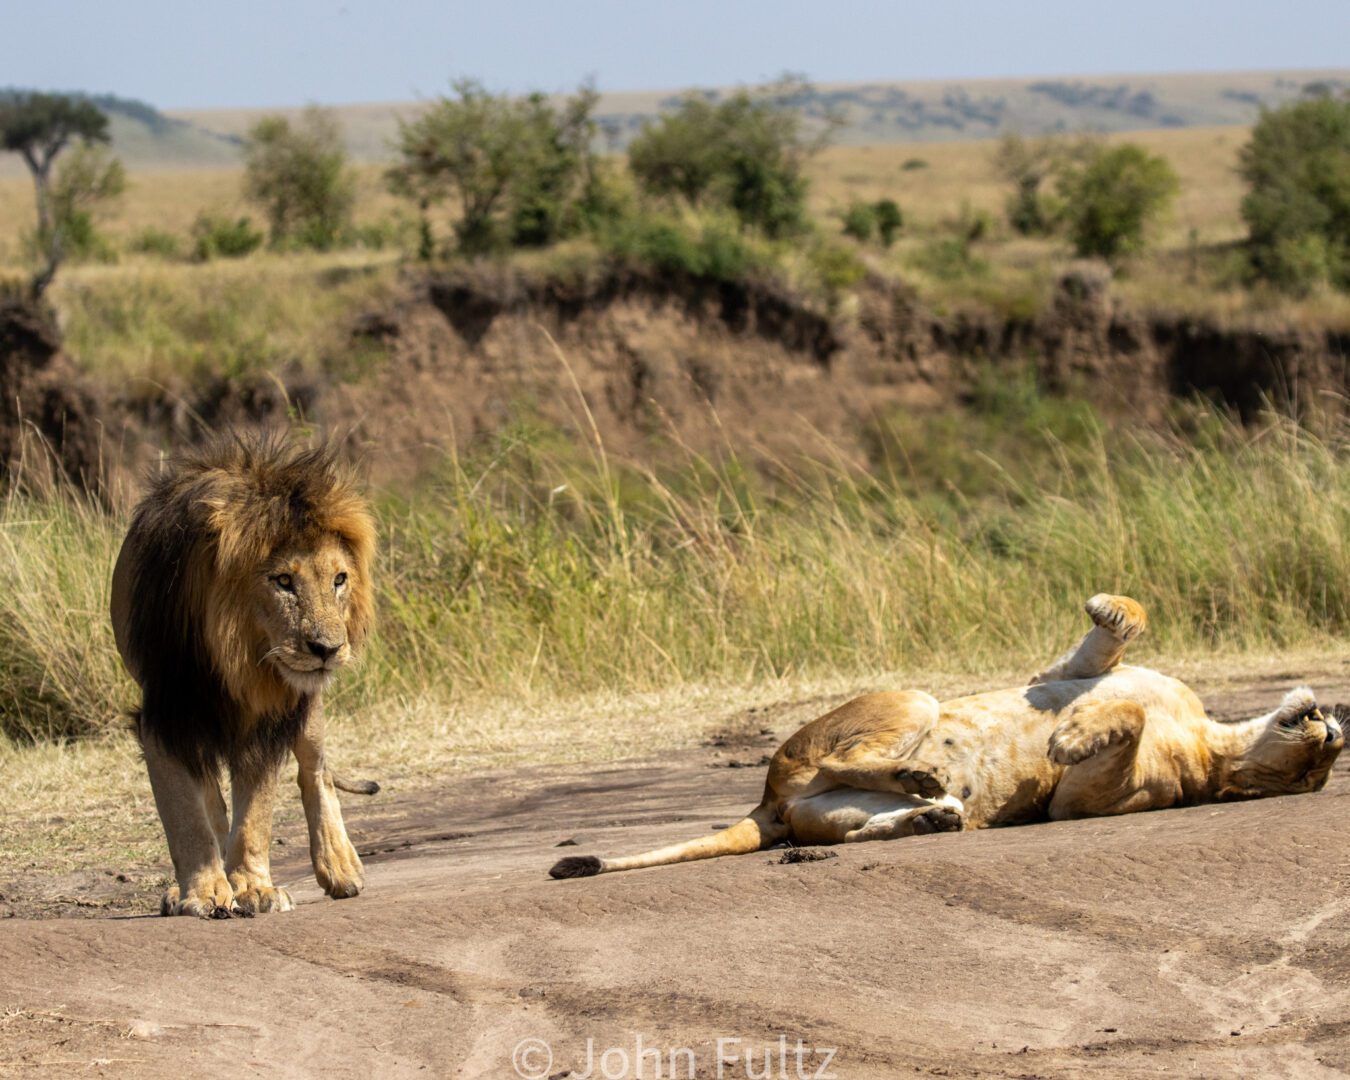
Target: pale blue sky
<point x="288" y="52"/>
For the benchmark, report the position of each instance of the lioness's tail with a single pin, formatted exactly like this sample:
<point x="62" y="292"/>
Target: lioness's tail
<point x="759" y="830"/>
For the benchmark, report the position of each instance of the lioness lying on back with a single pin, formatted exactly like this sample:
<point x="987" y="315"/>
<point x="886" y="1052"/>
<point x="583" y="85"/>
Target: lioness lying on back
<point x="1088" y="737"/>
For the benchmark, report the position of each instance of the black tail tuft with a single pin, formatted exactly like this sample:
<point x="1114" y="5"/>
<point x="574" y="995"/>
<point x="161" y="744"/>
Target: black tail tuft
<point x="355" y="787"/>
<point x="575" y="866"/>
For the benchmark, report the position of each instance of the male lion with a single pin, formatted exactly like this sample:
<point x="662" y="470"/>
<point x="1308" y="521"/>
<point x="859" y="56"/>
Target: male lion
<point x="1087" y="737"/>
<point x="244" y="583"/>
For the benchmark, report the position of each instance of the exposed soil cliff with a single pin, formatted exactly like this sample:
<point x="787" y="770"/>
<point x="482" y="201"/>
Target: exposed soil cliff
<point x="655" y="360"/>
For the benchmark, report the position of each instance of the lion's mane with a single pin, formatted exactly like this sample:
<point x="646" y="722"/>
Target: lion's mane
<point x="203" y="531"/>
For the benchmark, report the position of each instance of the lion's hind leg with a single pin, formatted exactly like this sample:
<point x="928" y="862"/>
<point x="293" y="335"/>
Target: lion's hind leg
<point x="1117" y="620"/>
<point x="936" y="815"/>
<point x="849" y="815"/>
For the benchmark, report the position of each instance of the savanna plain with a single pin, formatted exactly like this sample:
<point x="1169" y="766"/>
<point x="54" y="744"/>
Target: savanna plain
<point x="605" y="597"/>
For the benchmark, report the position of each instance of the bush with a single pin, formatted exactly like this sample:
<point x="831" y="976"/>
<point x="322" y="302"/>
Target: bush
<point x="837" y="267"/>
<point x="881" y="219"/>
<point x="152" y="241"/>
<point x="890" y="220"/>
<point x="520" y="169"/>
<point x="1112" y="196"/>
<point x="1297" y="209"/>
<point x="83" y="241"/>
<point x="747" y="153"/>
<point x="860" y="221"/>
<point x="223" y="238"/>
<point x="950" y="259"/>
<point x="298" y="175"/>
<point x="716" y="251"/>
<point x="1025" y="164"/>
<point x="911" y="164"/>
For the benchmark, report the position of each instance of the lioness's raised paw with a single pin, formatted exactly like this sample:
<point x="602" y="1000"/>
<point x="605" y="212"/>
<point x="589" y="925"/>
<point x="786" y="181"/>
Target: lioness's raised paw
<point x="1119" y="615"/>
<point x="929" y="781"/>
<point x="208" y="898"/>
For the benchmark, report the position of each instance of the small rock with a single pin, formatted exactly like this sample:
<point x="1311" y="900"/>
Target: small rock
<point x="571" y="841"/>
<point x="805" y="854"/>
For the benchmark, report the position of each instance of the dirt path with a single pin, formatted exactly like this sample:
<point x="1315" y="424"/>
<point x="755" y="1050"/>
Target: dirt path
<point x="1212" y="941"/>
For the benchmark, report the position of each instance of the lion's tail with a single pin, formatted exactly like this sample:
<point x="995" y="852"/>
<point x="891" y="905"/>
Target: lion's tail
<point x="356" y="787"/>
<point x="758" y="830"/>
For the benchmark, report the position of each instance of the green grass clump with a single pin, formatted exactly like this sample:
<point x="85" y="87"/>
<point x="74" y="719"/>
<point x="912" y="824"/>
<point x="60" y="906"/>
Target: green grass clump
<point x="177" y="321"/>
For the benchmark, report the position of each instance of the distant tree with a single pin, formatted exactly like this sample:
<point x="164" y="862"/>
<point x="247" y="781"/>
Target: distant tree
<point x="1026" y="164"/>
<point x="558" y="170"/>
<point x="298" y="175"/>
<point x="1297" y="207"/>
<point x="889" y="219"/>
<point x="747" y="151"/>
<point x="518" y="167"/>
<point x="881" y="219"/>
<point x="38" y="127"/>
<point x="681" y="154"/>
<point x="1111" y="195"/>
<point x="87" y="178"/>
<point x="860" y="221"/>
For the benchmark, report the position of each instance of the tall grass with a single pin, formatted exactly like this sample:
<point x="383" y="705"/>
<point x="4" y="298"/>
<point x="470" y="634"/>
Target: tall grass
<point x="532" y="571"/>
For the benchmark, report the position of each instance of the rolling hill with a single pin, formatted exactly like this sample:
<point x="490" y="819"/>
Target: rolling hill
<point x="147" y="138"/>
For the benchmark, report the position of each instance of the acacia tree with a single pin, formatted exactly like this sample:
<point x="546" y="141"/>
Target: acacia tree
<point x="747" y="152"/>
<point x="38" y="127"/>
<point x="1297" y="208"/>
<point x="1112" y="196"/>
<point x="517" y="166"/>
<point x="298" y="174"/>
<point x="1026" y="164"/>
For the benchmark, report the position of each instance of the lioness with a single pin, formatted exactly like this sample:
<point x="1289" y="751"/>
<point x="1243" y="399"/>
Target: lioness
<point x="1088" y="737"/>
<point x="243" y="585"/>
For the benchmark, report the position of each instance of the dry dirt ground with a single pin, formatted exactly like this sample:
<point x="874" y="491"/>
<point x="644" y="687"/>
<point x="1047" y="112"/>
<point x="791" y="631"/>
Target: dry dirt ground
<point x="1212" y="941"/>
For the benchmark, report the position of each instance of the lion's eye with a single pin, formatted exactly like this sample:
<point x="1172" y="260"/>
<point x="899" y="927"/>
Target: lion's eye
<point x="285" y="582"/>
<point x="1292" y="721"/>
<point x="339" y="581"/>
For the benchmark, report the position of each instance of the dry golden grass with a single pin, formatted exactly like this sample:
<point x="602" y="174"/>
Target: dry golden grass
<point x="957" y="174"/>
<point x="170" y="201"/>
<point x="961" y="173"/>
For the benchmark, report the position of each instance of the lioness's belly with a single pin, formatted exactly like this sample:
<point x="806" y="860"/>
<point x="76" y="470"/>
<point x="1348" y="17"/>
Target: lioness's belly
<point x="994" y="745"/>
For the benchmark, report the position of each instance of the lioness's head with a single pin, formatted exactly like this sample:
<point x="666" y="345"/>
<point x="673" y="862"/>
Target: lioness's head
<point x="287" y="580"/>
<point x="1294" y="748"/>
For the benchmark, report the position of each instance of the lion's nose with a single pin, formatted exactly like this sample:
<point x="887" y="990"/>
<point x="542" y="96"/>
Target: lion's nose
<point x="322" y="650"/>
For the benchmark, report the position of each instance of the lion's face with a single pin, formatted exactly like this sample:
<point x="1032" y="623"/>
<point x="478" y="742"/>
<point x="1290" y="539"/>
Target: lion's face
<point x="302" y="598"/>
<point x="1296" y="751"/>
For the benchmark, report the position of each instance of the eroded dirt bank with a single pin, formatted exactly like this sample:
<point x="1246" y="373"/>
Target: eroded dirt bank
<point x="659" y="361"/>
<point x="1210" y="941"/>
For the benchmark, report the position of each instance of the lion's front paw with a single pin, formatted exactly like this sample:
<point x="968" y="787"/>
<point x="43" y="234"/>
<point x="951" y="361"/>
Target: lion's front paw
<point x="339" y="871"/>
<point x="258" y="899"/>
<point x="209" y="896"/>
<point x="928" y="781"/>
<point x="1121" y="616"/>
